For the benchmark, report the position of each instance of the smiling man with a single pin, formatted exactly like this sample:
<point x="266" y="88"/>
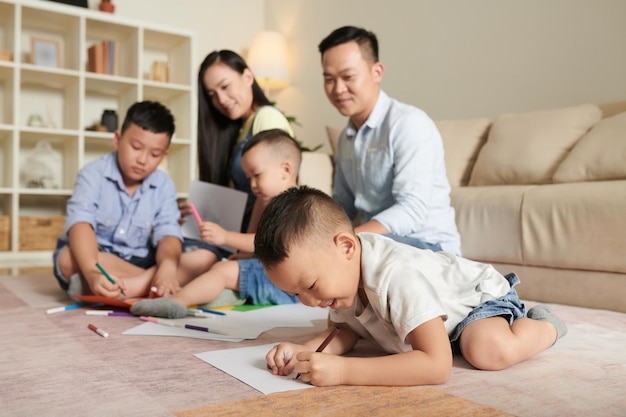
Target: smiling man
<point x="390" y="165"/>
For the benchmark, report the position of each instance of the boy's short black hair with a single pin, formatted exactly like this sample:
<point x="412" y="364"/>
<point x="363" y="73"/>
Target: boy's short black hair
<point x="152" y="116"/>
<point x="366" y="40"/>
<point x="297" y="214"/>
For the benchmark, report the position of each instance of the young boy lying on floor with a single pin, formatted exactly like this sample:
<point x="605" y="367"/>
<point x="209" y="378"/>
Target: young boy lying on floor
<point x="415" y="304"/>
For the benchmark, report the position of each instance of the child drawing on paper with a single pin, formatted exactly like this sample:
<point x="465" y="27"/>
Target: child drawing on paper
<point x="413" y="303"/>
<point x="271" y="161"/>
<point x="123" y="215"/>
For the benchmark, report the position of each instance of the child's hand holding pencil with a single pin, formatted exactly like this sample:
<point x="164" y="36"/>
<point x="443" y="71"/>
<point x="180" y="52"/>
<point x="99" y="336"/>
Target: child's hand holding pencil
<point x="110" y="279"/>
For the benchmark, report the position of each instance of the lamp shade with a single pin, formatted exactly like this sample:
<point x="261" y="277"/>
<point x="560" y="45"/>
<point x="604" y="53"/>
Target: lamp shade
<point x="267" y="58"/>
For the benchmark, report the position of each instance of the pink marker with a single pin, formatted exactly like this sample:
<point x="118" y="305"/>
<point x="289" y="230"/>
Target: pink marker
<point x="195" y="212"/>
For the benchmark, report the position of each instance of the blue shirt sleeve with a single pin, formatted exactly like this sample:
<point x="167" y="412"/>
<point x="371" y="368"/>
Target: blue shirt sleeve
<point x="166" y="217"/>
<point x="414" y="145"/>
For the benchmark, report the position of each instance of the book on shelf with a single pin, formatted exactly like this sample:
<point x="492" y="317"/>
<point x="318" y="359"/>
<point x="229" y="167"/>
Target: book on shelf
<point x="103" y="57"/>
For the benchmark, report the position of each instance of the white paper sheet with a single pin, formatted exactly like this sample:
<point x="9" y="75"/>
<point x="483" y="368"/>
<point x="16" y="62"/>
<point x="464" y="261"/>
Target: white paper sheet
<point x="153" y="329"/>
<point x="238" y="325"/>
<point x="249" y="366"/>
<point x="215" y="203"/>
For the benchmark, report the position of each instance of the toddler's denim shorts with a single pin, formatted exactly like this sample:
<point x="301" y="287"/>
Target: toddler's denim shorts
<point x="257" y="287"/>
<point x="508" y="306"/>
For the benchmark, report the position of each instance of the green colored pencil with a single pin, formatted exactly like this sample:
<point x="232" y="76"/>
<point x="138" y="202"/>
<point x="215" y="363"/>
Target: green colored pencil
<point x="111" y="280"/>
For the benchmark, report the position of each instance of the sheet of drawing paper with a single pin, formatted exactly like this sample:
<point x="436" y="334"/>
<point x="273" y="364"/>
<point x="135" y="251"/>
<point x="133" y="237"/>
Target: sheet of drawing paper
<point x="215" y="203"/>
<point x="153" y="329"/>
<point x="249" y="366"/>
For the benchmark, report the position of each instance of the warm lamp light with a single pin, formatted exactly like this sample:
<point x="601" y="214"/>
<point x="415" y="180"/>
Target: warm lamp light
<point x="267" y="57"/>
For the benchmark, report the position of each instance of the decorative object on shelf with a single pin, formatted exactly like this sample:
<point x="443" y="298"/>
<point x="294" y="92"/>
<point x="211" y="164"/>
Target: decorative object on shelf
<point x="45" y="52"/>
<point x="106" y="6"/>
<point x="267" y="57"/>
<point x="78" y="3"/>
<point x="96" y="127"/>
<point x="104" y="57"/>
<point x="160" y="71"/>
<point x="35" y="120"/>
<point x="41" y="167"/>
<point x="109" y="120"/>
<point x="6" y="55"/>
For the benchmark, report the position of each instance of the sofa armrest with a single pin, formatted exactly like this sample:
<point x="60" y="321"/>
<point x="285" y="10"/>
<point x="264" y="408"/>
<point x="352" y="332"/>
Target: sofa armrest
<point x="316" y="170"/>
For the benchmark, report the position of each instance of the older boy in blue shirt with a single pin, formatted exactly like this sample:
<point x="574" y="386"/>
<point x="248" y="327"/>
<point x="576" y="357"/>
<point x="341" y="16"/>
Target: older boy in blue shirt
<point x="123" y="214"/>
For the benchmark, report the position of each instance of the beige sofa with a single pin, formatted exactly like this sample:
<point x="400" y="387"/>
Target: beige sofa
<point x="542" y="194"/>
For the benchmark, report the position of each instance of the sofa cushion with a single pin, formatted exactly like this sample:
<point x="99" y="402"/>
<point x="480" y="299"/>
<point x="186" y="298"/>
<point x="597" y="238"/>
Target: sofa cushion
<point x="527" y="148"/>
<point x="488" y="219"/>
<point x="599" y="155"/>
<point x="462" y="140"/>
<point x="575" y="226"/>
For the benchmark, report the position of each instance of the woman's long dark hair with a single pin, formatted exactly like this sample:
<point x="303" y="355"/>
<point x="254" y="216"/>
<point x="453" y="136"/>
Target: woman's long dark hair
<point x="217" y="133"/>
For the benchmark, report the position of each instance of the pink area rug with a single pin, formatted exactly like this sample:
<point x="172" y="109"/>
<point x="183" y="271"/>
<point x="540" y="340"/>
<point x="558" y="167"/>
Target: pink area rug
<point x="53" y="365"/>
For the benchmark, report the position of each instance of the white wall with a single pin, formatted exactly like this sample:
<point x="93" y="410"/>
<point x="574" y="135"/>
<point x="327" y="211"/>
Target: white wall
<point x="461" y="58"/>
<point x="453" y="58"/>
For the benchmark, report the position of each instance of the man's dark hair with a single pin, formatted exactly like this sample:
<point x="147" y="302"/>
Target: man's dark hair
<point x="366" y="40"/>
<point x="297" y="214"/>
<point x="152" y="116"/>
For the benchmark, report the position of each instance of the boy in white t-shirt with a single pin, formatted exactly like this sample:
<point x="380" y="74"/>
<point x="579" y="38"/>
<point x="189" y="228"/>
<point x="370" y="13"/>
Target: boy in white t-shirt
<point x="415" y="304"/>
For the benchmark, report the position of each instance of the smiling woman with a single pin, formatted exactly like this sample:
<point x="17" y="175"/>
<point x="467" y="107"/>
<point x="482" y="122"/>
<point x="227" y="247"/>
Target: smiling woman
<point x="231" y="109"/>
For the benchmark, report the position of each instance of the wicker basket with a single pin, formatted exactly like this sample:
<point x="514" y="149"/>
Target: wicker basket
<point x="5" y="233"/>
<point x="40" y="232"/>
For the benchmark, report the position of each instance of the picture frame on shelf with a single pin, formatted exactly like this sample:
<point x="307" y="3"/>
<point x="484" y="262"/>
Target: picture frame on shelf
<point x="45" y="52"/>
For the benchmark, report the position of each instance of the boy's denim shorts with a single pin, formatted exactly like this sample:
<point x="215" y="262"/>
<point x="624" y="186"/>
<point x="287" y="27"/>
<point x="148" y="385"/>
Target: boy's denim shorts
<point x="508" y="306"/>
<point x="142" y="262"/>
<point x="194" y="244"/>
<point x="257" y="287"/>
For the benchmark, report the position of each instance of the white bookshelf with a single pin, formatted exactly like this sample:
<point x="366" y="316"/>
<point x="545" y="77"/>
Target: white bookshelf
<point x="69" y="99"/>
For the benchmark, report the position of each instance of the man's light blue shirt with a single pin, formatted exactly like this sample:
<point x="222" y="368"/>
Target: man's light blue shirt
<point x="392" y="170"/>
<point x="124" y="225"/>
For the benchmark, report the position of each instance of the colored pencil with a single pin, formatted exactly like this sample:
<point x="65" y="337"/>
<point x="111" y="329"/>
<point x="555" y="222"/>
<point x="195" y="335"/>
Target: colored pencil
<point x="111" y="280"/>
<point x="108" y="313"/>
<point x="195" y="212"/>
<point x="63" y="308"/>
<point x="326" y="341"/>
<point x="97" y="330"/>
<point x="173" y="323"/>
